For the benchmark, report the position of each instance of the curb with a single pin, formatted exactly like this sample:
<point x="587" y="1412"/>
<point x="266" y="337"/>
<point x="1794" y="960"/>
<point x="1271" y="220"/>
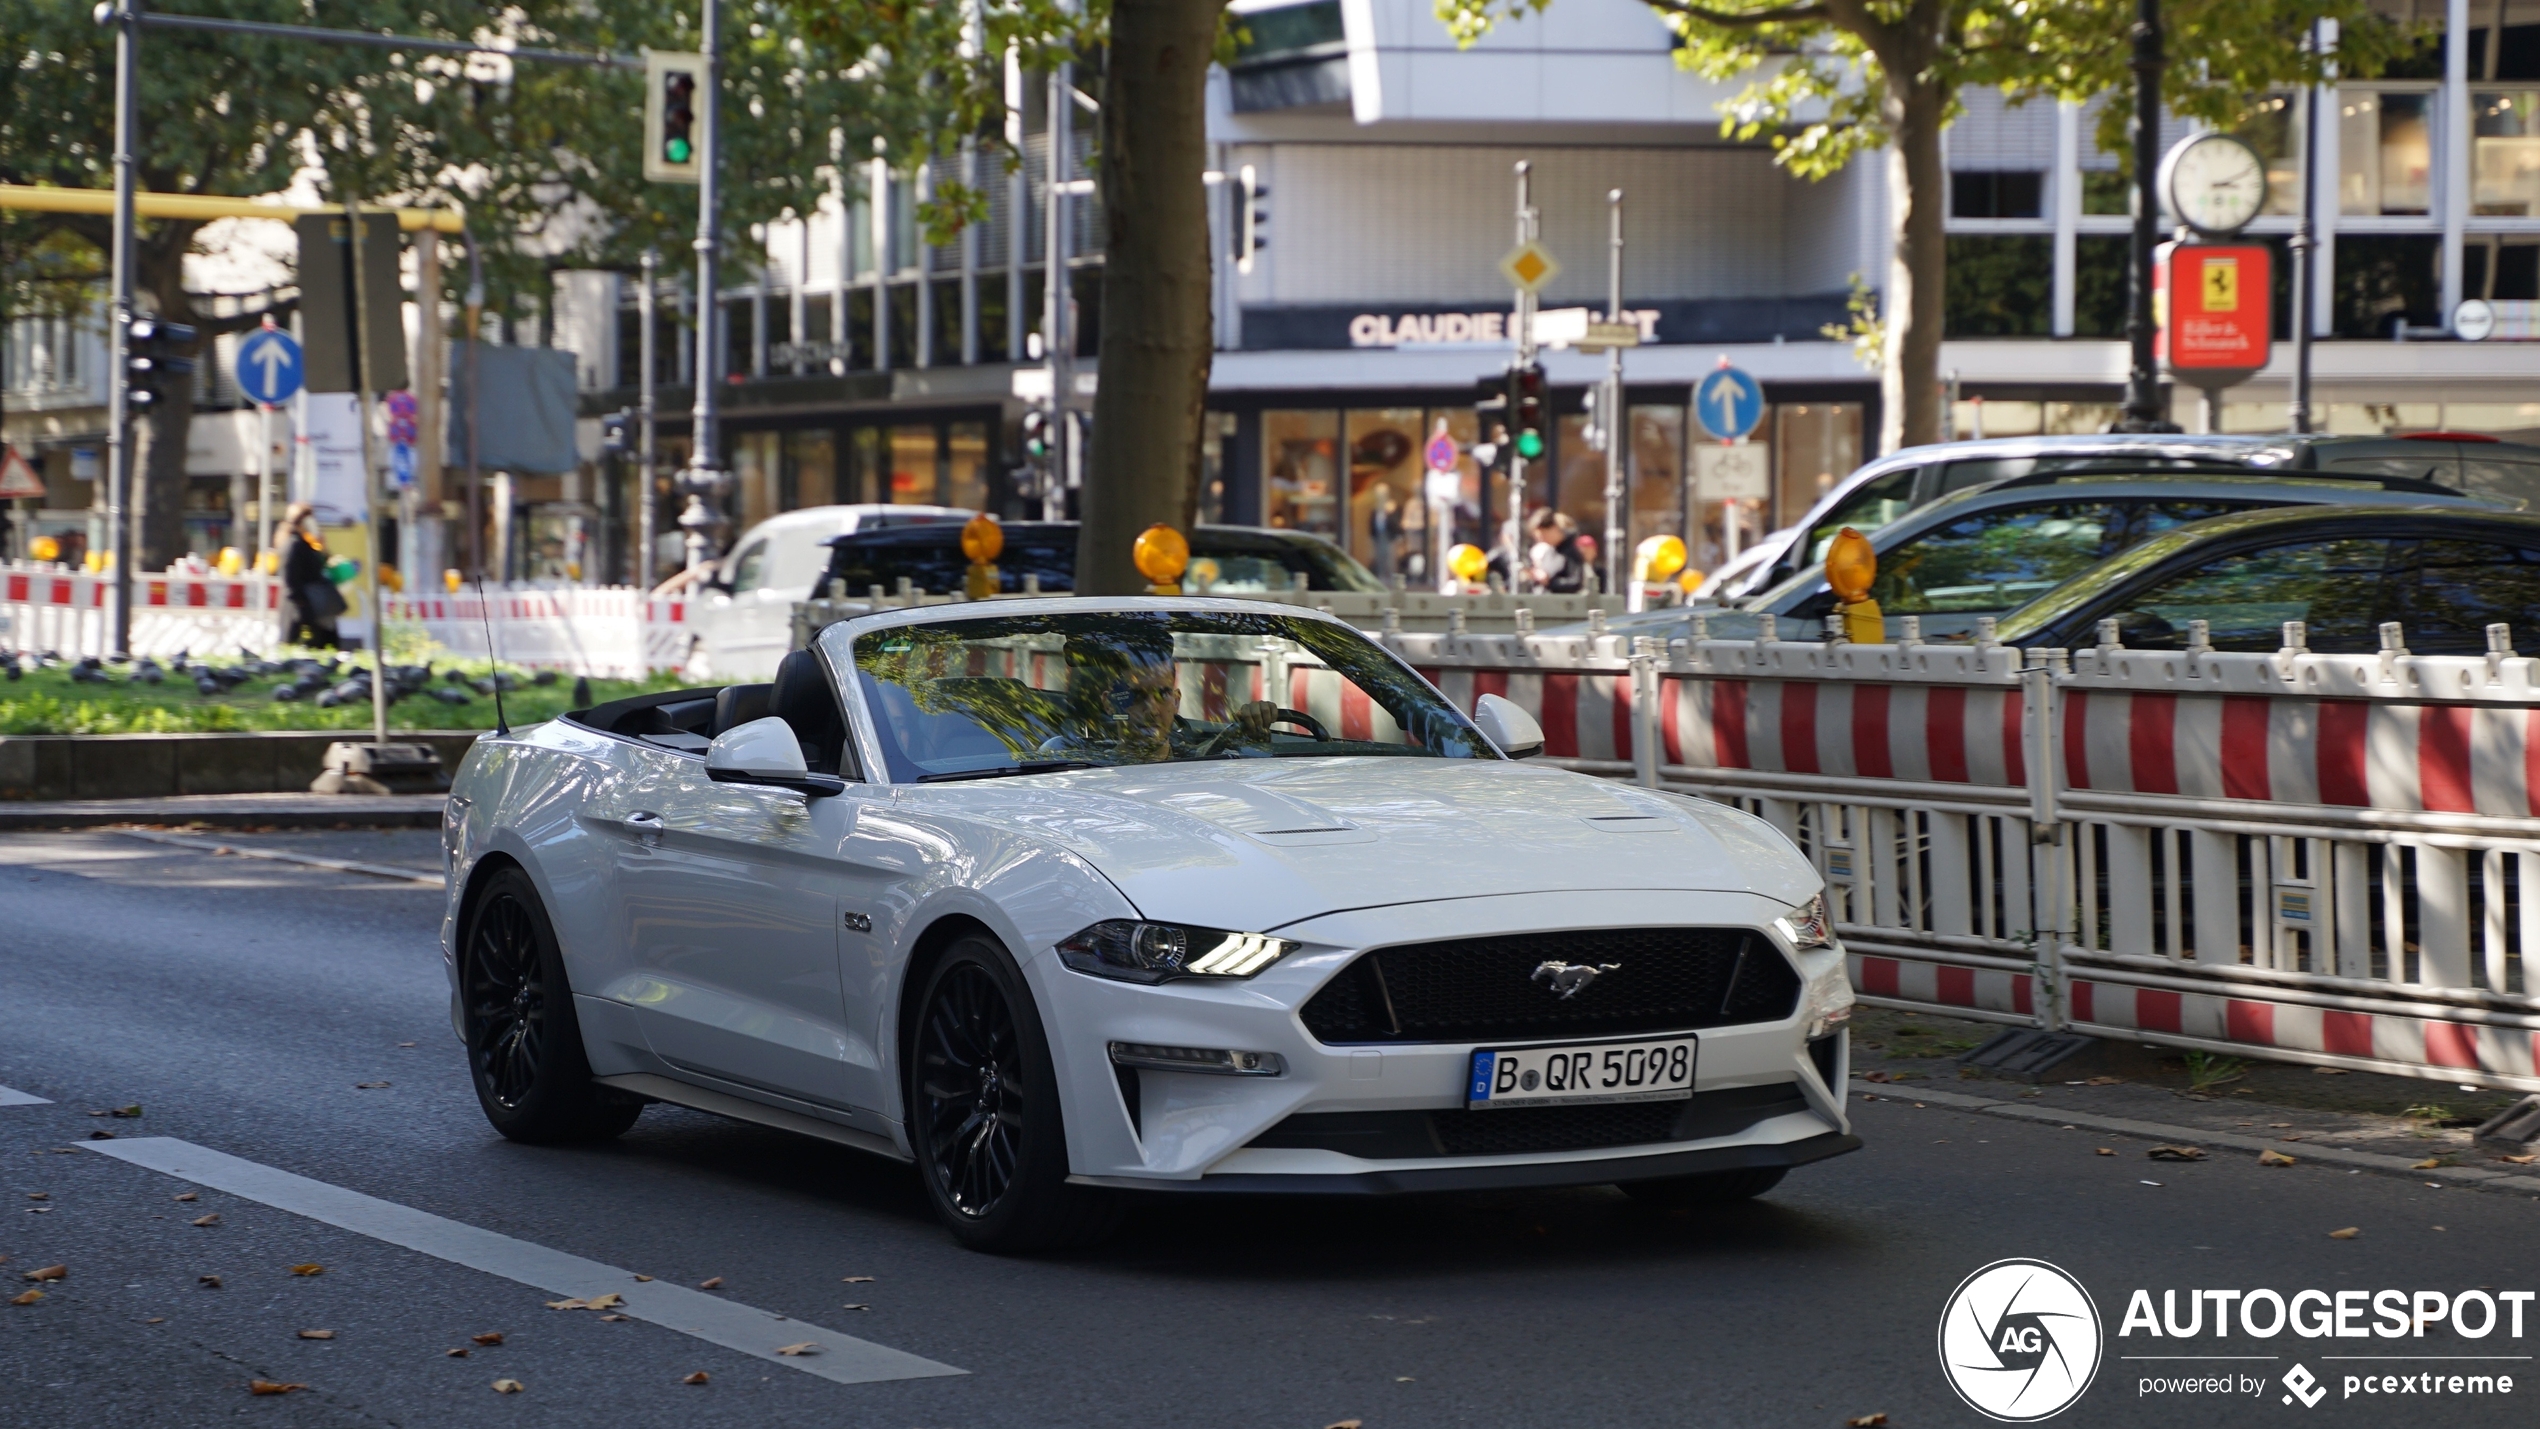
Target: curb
<point x="233" y="811"/>
<point x="339" y="865"/>
<point x="2477" y="1177"/>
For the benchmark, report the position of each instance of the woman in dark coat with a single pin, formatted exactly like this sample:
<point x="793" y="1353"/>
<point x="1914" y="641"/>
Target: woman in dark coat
<point x="310" y="602"/>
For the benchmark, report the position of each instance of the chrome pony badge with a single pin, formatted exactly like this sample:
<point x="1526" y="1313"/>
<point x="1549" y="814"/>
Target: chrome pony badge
<point x="1571" y="979"/>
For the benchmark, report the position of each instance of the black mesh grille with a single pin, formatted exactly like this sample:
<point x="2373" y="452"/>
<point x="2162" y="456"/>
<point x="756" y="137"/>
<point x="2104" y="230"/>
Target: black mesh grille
<point x="1518" y="1131"/>
<point x="1485" y="989"/>
<point x="1511" y="1130"/>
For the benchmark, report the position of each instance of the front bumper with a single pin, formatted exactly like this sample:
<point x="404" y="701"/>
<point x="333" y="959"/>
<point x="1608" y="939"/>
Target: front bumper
<point x="1165" y="1130"/>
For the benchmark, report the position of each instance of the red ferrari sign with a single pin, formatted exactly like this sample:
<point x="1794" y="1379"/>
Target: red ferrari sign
<point x="2215" y="303"/>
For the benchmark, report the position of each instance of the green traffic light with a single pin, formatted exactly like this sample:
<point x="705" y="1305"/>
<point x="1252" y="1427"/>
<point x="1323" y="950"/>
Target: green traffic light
<point x="1530" y="444"/>
<point x="678" y="151"/>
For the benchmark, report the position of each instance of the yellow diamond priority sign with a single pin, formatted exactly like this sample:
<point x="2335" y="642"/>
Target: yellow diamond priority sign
<point x="1529" y="266"/>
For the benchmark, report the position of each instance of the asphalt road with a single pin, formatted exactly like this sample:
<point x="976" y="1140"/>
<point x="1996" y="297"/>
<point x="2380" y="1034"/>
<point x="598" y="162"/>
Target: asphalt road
<point x="240" y="1004"/>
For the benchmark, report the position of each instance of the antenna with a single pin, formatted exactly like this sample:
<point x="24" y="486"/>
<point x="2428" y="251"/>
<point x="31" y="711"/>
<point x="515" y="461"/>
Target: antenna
<point x="484" y="612"/>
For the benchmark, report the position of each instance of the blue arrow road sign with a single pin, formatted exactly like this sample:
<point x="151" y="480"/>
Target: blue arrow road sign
<point x="401" y="466"/>
<point x="1728" y="403"/>
<point x="268" y="366"/>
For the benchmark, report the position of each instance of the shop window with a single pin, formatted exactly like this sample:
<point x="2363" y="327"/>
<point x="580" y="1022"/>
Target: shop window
<point x="1816" y="444"/>
<point x="2492" y="267"/>
<point x="1384" y="477"/>
<point x="966" y="468"/>
<point x="1216" y="445"/>
<point x="755" y="456"/>
<point x="2383" y="279"/>
<point x="1996" y="193"/>
<point x="2000" y="286"/>
<point x="1658" y="472"/>
<point x="1578" y="488"/>
<point x="913" y="469"/>
<point x="2385" y="153"/>
<point x="2505" y="152"/>
<point x="867" y="466"/>
<point x="1301" y="465"/>
<point x="811" y="469"/>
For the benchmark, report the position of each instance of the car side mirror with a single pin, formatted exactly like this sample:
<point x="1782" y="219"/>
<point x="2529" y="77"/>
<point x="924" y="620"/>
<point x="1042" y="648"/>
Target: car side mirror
<point x="764" y="751"/>
<point x="1509" y="727"/>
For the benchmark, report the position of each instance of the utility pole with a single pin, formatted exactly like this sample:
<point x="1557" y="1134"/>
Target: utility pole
<point x="1618" y="447"/>
<point x="1525" y="324"/>
<point x="704" y="475"/>
<point x="2143" y="381"/>
<point x="646" y="312"/>
<point x="359" y="249"/>
<point x="125" y="15"/>
<point x="2305" y="246"/>
<point x="1057" y="337"/>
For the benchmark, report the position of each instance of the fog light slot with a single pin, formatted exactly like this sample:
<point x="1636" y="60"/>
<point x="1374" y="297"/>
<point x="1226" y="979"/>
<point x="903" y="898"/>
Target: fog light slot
<point x="1209" y="1061"/>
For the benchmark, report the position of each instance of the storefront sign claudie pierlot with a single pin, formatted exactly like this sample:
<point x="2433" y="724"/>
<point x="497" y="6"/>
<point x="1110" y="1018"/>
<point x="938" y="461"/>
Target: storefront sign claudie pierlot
<point x="1430" y="329"/>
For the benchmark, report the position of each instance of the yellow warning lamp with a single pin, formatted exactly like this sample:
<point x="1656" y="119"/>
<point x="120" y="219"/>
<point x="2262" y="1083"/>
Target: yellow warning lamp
<point x="1468" y="563"/>
<point x="1657" y="558"/>
<point x="981" y="539"/>
<point x="395" y="580"/>
<point x="230" y="561"/>
<point x="1852" y="565"/>
<point x="44" y="548"/>
<point x="95" y="562"/>
<point x="1162" y="554"/>
<point x="268" y="562"/>
<point x="450" y="580"/>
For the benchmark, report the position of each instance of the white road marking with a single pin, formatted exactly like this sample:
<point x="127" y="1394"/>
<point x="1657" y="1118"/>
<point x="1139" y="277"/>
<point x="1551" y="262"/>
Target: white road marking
<point x="11" y="1096"/>
<point x="339" y="865"/>
<point x="691" y="1312"/>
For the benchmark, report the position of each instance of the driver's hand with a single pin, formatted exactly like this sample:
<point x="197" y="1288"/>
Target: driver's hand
<point x="1255" y="717"/>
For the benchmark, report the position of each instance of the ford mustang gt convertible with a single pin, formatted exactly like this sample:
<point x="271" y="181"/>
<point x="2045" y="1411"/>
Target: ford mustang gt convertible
<point x="1065" y="898"/>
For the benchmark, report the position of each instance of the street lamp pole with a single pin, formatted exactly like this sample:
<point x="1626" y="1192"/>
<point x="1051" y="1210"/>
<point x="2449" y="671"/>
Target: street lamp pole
<point x="645" y="415"/>
<point x="125" y="16"/>
<point x="704" y="475"/>
<point x="2143" y="381"/>
<point x="2305" y="246"/>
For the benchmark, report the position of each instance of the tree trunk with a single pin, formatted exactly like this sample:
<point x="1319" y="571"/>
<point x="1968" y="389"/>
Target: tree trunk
<point x="159" y="441"/>
<point x="1156" y="333"/>
<point x="1915" y="304"/>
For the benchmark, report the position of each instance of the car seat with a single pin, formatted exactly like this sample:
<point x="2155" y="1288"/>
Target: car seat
<point x="802" y="697"/>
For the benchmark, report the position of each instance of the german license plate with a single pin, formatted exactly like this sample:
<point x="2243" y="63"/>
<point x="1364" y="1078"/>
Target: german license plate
<point x="1657" y="1070"/>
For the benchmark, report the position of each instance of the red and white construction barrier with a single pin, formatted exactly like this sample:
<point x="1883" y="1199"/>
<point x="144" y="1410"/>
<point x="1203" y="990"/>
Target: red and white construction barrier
<point x="46" y="607"/>
<point x="609" y="631"/>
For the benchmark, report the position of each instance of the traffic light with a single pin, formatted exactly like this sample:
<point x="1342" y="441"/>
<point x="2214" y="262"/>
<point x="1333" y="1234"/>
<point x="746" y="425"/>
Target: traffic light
<point x="1252" y="224"/>
<point x="615" y="432"/>
<point x="1036" y="435"/>
<point x="1490" y="413"/>
<point x="673" y="137"/>
<point x="1525" y="400"/>
<point x="152" y="363"/>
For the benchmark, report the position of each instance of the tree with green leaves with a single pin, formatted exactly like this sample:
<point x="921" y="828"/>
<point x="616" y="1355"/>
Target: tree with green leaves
<point x="1831" y="79"/>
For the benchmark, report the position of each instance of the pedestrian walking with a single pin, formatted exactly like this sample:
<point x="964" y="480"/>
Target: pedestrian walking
<point x="310" y="602"/>
<point x="1384" y="534"/>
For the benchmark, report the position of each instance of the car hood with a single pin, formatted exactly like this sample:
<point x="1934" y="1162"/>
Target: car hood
<point x="1256" y="844"/>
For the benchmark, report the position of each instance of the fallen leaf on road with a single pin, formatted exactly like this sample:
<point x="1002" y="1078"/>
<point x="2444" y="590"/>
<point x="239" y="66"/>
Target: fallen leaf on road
<point x="39" y="1195"/>
<point x="710" y="1282"/>
<point x="2428" y="1164"/>
<point x="2151" y="1183"/>
<point x="267" y="1386"/>
<point x="490" y="1337"/>
<point x="210" y="1220"/>
<point x="2330" y="1071"/>
<point x="643" y="1277"/>
<point x="859" y="1280"/>
<point x="311" y="1268"/>
<point x="127" y="1112"/>
<point x="597" y="1302"/>
<point x="458" y="1354"/>
<point x="50" y="1272"/>
<point x="368" y="1086"/>
<point x="186" y="1196"/>
<point x="1404" y="1379"/>
<point x="508" y="1386"/>
<point x="28" y="1298"/>
<point x="405" y="1044"/>
<point x="2523" y="1160"/>
<point x="38" y="1210"/>
<point x="805" y="1348"/>
<point x="317" y="1334"/>
<point x="855" y="1307"/>
<point x="1342" y="1424"/>
<point x="2349" y="1233"/>
<point x="1866" y="1421"/>
<point x="156" y="1320"/>
<point x="2107" y="1151"/>
<point x="2176" y="1153"/>
<point x="698" y="1378"/>
<point x="2274" y="1158"/>
<point x="208" y="1282"/>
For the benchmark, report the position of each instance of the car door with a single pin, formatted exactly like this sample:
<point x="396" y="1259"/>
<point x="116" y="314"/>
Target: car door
<point x="732" y="897"/>
<point x="2334" y="583"/>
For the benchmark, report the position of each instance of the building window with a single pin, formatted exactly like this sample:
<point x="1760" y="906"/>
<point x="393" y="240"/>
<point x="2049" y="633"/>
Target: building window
<point x="1996" y="193"/>
<point x="2505" y="152"/>
<point x="2519" y="56"/>
<point x="2106" y="192"/>
<point x="2099" y="284"/>
<point x="2385" y="151"/>
<point x="2493" y="267"/>
<point x="2000" y="286"/>
<point x="1384" y="484"/>
<point x="1300" y="454"/>
<point x="2386" y="278"/>
<point x="2274" y="129"/>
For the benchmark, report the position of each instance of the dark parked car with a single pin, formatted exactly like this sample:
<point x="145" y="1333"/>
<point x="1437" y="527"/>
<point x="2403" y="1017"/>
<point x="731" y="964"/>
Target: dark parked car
<point x="2443" y="575"/>
<point x="1231" y="558"/>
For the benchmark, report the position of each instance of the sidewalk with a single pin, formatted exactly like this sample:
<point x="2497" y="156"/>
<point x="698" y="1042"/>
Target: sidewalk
<point x="233" y="811"/>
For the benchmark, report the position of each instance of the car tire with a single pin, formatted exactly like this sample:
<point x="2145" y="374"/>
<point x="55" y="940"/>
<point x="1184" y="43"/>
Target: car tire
<point x="524" y="1044"/>
<point x="1713" y="1188"/>
<point x="983" y="1112"/>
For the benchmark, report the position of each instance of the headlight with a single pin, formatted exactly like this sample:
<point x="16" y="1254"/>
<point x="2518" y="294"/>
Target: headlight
<point x="1806" y="925"/>
<point x="1160" y="952"/>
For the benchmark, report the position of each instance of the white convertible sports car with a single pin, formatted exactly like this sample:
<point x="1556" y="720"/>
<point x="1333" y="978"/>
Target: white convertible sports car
<point x="1063" y="897"/>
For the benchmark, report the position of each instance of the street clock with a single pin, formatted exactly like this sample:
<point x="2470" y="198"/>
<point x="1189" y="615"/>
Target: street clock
<point x="2215" y="183"/>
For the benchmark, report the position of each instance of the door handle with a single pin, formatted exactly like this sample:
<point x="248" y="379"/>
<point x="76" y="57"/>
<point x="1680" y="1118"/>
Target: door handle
<point x="645" y="825"/>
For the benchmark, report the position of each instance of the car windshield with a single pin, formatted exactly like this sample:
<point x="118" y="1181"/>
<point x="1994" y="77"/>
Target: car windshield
<point x="1023" y="694"/>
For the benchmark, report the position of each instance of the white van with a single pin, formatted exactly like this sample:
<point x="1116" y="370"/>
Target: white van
<point x="743" y="608"/>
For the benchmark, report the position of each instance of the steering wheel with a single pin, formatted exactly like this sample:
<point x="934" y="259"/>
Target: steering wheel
<point x="1312" y="726"/>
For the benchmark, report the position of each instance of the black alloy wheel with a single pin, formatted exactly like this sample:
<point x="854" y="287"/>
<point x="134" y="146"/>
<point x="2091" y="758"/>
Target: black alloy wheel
<point x="984" y="1115"/>
<point x="524" y="1045"/>
<point x="976" y="1095"/>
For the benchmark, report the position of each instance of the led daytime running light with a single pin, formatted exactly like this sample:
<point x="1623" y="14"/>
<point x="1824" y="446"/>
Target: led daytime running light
<point x="1241" y="955"/>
